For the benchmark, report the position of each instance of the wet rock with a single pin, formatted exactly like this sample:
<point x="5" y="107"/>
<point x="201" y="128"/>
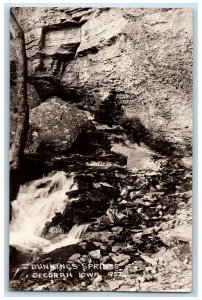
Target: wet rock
<point x="62" y="254"/>
<point x="103" y="236"/>
<point x="90" y="206"/>
<point x="53" y="231"/>
<point x="56" y="125"/>
<point x="104" y="222"/>
<point x="18" y="256"/>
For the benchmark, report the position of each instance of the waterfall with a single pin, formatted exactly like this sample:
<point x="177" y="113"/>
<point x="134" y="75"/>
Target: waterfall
<point x="73" y="237"/>
<point x="36" y="204"/>
<point x="138" y="157"/>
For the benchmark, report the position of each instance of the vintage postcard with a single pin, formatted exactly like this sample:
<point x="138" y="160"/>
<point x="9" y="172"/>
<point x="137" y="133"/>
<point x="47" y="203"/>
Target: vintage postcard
<point x="100" y="149"/>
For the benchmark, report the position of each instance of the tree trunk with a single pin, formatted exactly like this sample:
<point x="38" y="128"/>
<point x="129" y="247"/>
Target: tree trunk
<point x="20" y="138"/>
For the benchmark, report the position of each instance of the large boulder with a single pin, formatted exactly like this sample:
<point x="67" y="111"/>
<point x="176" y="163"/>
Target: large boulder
<point x="55" y="125"/>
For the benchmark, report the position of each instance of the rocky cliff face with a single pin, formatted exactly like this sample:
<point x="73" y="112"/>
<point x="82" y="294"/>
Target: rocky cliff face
<point x="143" y="57"/>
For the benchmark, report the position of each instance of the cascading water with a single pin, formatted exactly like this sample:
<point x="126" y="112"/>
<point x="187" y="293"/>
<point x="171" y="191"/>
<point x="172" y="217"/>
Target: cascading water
<point x="36" y="204"/>
<point x="73" y="237"/>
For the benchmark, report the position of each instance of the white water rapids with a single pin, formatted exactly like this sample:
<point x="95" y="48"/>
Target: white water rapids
<point x="36" y="203"/>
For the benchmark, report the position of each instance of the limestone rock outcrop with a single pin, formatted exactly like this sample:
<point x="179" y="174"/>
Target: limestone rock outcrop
<point x="142" y="56"/>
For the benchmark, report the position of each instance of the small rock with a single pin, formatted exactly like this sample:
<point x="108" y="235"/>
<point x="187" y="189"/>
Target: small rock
<point x="119" y="258"/>
<point x="93" y="286"/>
<point x="148" y="269"/>
<point x="186" y="162"/>
<point x="119" y="175"/>
<point x="102" y="236"/>
<point x="188" y="176"/>
<point x="149" y="260"/>
<point x="134" y="194"/>
<point x="131" y="269"/>
<point x="140" y="279"/>
<point x="156" y="228"/>
<point x="165" y="238"/>
<point x="164" y="226"/>
<point x="148" y="231"/>
<point x="163" y="256"/>
<point x="75" y="256"/>
<point x="116" y="248"/>
<point x="83" y="284"/>
<point x="153" y="271"/>
<point x="107" y="185"/>
<point x="180" y="233"/>
<point x="140" y="201"/>
<point x="159" y="187"/>
<point x="97" y="244"/>
<point x="149" y="277"/>
<point x="104" y="247"/>
<point x="95" y="254"/>
<point x="104" y="259"/>
<point x="117" y="229"/>
<point x="153" y="173"/>
<point x="187" y="194"/>
<point x="186" y="261"/>
<point x="83" y="258"/>
<point x="124" y="192"/>
<point x="123" y="263"/>
<point x="38" y="288"/>
<point x="113" y="285"/>
<point x="137" y="236"/>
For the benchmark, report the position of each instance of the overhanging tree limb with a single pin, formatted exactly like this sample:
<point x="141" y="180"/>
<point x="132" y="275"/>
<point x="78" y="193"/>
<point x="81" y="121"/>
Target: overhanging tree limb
<point x="20" y="137"/>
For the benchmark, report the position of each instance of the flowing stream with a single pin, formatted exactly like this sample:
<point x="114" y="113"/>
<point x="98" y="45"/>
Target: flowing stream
<point x="36" y="205"/>
<point x="38" y="202"/>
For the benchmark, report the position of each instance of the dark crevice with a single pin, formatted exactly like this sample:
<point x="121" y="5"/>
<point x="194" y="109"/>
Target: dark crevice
<point x="138" y="133"/>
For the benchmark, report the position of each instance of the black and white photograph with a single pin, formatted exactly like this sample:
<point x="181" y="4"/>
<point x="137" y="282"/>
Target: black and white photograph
<point x="100" y="159"/>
